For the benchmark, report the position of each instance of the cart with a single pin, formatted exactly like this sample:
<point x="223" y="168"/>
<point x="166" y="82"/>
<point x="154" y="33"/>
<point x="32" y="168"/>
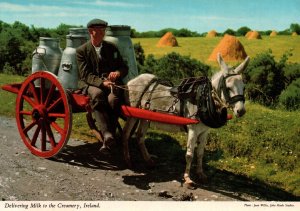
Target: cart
<point x="44" y="113"/>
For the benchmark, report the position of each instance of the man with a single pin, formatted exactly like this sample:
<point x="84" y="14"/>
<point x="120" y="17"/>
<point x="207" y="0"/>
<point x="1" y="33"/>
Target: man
<point x="100" y="66"/>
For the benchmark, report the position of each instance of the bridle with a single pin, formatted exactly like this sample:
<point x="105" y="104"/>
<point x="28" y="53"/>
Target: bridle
<point x="223" y="88"/>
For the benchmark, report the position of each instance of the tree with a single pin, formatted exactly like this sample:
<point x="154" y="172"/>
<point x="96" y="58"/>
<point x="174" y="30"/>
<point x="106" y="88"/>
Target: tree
<point x="284" y="32"/>
<point x="62" y="29"/>
<point x="133" y="33"/>
<point x="229" y="32"/>
<point x="39" y="32"/>
<point x="11" y="52"/>
<point x="185" y="33"/>
<point x="295" y="28"/>
<point x="21" y="30"/>
<point x="242" y="31"/>
<point x="3" y="26"/>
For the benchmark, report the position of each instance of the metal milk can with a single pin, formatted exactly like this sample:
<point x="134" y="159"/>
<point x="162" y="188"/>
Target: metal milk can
<point x="80" y="31"/>
<point x="47" y="56"/>
<point x="120" y="36"/>
<point x="68" y="70"/>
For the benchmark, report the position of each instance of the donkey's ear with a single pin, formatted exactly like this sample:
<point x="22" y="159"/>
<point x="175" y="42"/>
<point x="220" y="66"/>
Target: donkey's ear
<point x="223" y="65"/>
<point x="239" y="69"/>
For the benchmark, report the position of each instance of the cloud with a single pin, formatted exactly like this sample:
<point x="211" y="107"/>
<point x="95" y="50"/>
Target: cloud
<point x="49" y="14"/>
<point x="216" y="18"/>
<point x="34" y="10"/>
<point x="112" y="4"/>
<point x="13" y="7"/>
<point x="9" y="7"/>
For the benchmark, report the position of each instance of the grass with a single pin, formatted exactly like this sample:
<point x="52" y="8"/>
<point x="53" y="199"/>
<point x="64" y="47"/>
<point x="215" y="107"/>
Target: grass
<point x="200" y="48"/>
<point x="8" y="99"/>
<point x="263" y="145"/>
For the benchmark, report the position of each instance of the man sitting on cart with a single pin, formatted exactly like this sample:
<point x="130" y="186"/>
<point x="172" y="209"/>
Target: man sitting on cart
<point x="100" y="66"/>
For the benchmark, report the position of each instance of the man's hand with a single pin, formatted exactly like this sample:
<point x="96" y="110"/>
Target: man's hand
<point x="113" y="76"/>
<point x="107" y="83"/>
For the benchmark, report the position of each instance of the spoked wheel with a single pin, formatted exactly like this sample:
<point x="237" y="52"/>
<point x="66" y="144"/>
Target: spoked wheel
<point x="43" y="114"/>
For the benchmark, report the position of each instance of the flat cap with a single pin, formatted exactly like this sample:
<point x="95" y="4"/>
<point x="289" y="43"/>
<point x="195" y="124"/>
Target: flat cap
<point x="96" y="23"/>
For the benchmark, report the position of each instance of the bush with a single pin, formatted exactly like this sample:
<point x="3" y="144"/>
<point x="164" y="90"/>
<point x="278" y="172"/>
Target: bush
<point x="291" y="73"/>
<point x="265" y="78"/>
<point x="149" y="64"/>
<point x="173" y="67"/>
<point x="139" y="55"/>
<point x="7" y="69"/>
<point x="290" y="97"/>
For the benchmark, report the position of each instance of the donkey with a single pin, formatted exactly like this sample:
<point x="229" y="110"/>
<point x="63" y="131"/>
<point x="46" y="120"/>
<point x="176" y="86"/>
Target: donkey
<point x="228" y="87"/>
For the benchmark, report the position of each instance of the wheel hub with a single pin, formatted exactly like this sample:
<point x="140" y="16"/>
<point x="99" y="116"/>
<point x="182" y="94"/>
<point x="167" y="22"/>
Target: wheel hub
<point x="39" y="112"/>
<point x="36" y="115"/>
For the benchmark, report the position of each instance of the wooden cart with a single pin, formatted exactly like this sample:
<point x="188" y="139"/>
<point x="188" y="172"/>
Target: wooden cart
<point x="44" y="113"/>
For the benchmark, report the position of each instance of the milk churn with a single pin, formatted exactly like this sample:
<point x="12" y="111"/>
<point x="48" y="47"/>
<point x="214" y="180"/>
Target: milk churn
<point x="80" y="31"/>
<point x="46" y="57"/>
<point x="120" y="36"/>
<point x="68" y="70"/>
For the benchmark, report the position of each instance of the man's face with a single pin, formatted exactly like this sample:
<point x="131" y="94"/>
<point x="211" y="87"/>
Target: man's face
<point x="97" y="34"/>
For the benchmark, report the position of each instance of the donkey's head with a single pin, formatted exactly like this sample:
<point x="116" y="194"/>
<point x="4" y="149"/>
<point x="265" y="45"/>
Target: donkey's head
<point x="230" y="86"/>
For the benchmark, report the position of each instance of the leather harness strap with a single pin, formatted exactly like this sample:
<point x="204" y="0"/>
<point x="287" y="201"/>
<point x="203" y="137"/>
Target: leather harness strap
<point x="223" y="88"/>
<point x="198" y="91"/>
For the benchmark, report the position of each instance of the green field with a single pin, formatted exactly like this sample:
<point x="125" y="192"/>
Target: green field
<point x="201" y="47"/>
<point x="263" y="145"/>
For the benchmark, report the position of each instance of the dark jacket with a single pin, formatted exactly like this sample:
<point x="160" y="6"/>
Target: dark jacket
<point x="91" y="68"/>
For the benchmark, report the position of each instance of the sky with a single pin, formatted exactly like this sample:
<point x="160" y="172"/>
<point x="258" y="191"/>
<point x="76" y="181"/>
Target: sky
<point x="196" y="15"/>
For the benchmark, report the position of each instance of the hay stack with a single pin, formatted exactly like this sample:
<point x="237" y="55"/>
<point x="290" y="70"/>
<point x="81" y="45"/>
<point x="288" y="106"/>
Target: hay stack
<point x="212" y="33"/>
<point x="254" y="35"/>
<point x="294" y="34"/>
<point x="273" y="34"/>
<point x="167" y="40"/>
<point x="230" y="48"/>
<point x="248" y="34"/>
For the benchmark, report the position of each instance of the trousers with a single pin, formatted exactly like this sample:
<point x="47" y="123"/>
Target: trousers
<point x="106" y="105"/>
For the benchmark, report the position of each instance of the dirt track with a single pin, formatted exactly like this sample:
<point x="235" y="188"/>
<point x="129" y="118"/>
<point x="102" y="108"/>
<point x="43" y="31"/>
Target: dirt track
<point x="81" y="173"/>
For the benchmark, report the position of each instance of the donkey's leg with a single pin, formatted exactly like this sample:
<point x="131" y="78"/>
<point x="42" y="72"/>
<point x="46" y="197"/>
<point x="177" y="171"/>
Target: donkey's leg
<point x="191" y="142"/>
<point x="127" y="131"/>
<point x="200" y="152"/>
<point x="141" y="132"/>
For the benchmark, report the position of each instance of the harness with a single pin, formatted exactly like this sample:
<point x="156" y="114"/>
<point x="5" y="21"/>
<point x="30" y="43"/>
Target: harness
<point x="198" y="91"/>
<point x="208" y="112"/>
<point x="223" y="88"/>
<point x="150" y="89"/>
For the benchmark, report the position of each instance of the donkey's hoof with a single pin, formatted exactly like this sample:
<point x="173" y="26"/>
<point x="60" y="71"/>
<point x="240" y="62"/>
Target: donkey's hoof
<point x="190" y="185"/>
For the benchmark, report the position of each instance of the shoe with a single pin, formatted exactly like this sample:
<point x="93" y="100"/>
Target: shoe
<point x="107" y="143"/>
<point x="108" y="139"/>
<point x="105" y="150"/>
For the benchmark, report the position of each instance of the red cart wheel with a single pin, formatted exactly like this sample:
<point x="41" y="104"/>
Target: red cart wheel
<point x="43" y="114"/>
